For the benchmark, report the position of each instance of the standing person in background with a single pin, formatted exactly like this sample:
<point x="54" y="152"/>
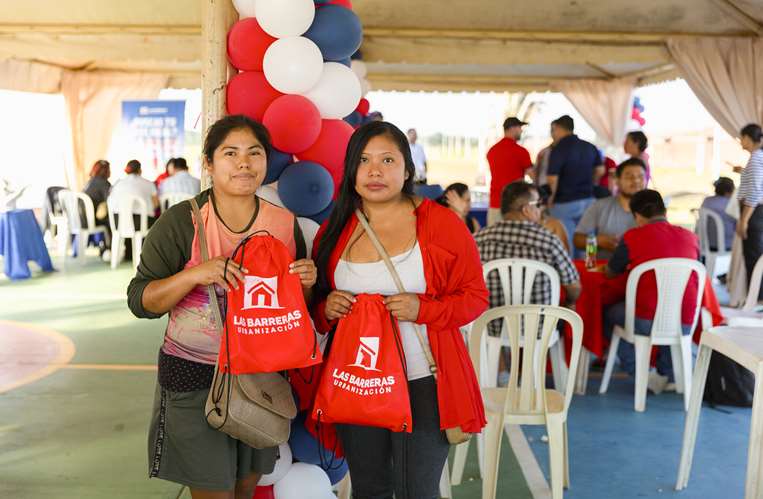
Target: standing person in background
<point x="750" y="225"/>
<point x="458" y="198"/>
<point x="181" y="181"/>
<point x="419" y="157"/>
<point x="539" y="173"/>
<point x="724" y="188"/>
<point x="508" y="163"/>
<point x="635" y="146"/>
<point x="573" y="169"/>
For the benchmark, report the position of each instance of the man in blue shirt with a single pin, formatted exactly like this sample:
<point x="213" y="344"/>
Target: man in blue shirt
<point x="574" y="167"/>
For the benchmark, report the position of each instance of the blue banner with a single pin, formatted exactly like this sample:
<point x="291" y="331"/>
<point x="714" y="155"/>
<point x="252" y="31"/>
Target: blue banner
<point x="155" y="131"/>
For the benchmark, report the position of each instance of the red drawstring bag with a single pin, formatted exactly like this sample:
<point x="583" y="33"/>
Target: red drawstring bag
<point x="364" y="380"/>
<point x="269" y="328"/>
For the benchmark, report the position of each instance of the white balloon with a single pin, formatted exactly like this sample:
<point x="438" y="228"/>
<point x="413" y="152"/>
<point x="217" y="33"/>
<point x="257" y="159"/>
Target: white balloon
<point x="283" y="465"/>
<point x="337" y="93"/>
<point x="365" y="87"/>
<point x="245" y="8"/>
<point x="282" y="18"/>
<point x="309" y="230"/>
<point x="303" y="480"/>
<point x="270" y="194"/>
<point x="359" y="68"/>
<point x="293" y="65"/>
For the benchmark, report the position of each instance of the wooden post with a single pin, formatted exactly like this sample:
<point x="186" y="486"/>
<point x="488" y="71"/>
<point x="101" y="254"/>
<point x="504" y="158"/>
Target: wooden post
<point x="217" y="18"/>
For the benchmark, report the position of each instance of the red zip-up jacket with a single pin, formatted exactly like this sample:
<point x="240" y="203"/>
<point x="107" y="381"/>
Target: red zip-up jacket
<point x="455" y="296"/>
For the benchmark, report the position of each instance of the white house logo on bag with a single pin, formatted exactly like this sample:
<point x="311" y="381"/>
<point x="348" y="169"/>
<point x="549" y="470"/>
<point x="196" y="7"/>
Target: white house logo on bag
<point x="260" y="292"/>
<point x="368" y="353"/>
<point x="366" y="359"/>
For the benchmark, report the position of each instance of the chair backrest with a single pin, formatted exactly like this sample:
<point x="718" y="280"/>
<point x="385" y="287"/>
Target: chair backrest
<point x="672" y="276"/>
<point x="517" y="276"/>
<point x="170" y="199"/>
<point x="125" y="207"/>
<point x="529" y="352"/>
<point x="70" y="203"/>
<point x="754" y="290"/>
<point x="705" y="228"/>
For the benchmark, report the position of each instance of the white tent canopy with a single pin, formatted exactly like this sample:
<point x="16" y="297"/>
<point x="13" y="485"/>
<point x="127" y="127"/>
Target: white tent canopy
<point x="467" y="45"/>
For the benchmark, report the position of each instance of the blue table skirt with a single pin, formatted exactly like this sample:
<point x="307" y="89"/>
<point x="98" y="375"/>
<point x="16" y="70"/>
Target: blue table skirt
<point x="20" y="241"/>
<point x="480" y="213"/>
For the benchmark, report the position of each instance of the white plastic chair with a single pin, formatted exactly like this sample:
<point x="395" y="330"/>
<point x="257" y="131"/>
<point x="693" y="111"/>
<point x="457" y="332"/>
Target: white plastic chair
<point x="170" y="199"/>
<point x="70" y="205"/>
<point x="525" y="400"/>
<point x="748" y="316"/>
<point x="672" y="276"/>
<point x="125" y="207"/>
<point x="717" y="261"/>
<point x="517" y="276"/>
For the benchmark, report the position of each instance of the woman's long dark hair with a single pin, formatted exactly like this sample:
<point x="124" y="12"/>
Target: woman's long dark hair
<point x="349" y="199"/>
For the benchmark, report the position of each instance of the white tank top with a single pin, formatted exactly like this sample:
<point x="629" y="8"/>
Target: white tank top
<point x="374" y="278"/>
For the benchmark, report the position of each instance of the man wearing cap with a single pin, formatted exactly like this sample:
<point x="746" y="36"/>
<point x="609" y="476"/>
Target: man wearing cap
<point x="508" y="163"/>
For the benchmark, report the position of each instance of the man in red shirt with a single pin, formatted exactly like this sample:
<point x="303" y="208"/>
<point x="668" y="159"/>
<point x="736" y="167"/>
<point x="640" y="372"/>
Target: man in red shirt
<point x="508" y="163"/>
<point x="651" y="239"/>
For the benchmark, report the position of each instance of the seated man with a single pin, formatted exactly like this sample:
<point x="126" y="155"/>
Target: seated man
<point x="652" y="238"/>
<point x="610" y="217"/>
<point x="724" y="188"/>
<point x="520" y="235"/>
<point x="181" y="181"/>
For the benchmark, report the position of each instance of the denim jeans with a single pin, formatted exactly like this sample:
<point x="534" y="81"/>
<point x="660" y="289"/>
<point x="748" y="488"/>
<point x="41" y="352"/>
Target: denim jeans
<point x="570" y="214"/>
<point x="615" y="315"/>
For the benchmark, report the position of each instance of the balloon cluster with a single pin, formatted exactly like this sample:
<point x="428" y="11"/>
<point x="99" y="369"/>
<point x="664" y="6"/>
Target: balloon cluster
<point x="636" y="111"/>
<point x="296" y="77"/>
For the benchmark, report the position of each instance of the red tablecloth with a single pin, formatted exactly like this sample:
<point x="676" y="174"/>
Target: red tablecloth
<point x="598" y="292"/>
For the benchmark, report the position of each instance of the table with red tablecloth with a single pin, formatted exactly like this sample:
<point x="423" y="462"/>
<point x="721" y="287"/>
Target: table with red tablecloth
<point x="599" y="292"/>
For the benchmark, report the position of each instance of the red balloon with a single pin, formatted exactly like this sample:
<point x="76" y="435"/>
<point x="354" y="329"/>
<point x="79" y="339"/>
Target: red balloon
<point x="363" y="107"/>
<point x="329" y="149"/>
<point x="344" y="3"/>
<point x="294" y="123"/>
<point x="247" y="43"/>
<point x="249" y="93"/>
<point x="265" y="492"/>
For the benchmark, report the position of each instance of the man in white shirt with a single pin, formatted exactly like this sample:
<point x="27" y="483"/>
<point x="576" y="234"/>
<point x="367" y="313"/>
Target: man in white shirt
<point x="135" y="185"/>
<point x="180" y="181"/>
<point x="419" y="157"/>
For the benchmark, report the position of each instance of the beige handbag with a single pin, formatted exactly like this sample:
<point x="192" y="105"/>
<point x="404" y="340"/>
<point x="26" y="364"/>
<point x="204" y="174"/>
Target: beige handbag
<point x="254" y="408"/>
<point x="455" y="435"/>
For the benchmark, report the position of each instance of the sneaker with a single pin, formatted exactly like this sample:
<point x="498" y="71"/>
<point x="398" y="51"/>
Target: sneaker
<point x="656" y="382"/>
<point x="106" y="256"/>
<point x="503" y="378"/>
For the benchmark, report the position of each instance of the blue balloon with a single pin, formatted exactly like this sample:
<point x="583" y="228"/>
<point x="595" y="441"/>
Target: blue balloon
<point x="432" y="191"/>
<point x="345" y="61"/>
<point x="305" y="448"/>
<point x="354" y="119"/>
<point x="357" y="55"/>
<point x="277" y="162"/>
<point x="337" y="32"/>
<point x="321" y="217"/>
<point x="306" y="188"/>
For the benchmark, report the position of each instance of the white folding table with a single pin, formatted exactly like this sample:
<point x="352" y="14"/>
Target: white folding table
<point x="745" y="346"/>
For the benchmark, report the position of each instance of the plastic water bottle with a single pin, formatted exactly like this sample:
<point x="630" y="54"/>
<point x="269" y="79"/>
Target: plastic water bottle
<point x="590" y="251"/>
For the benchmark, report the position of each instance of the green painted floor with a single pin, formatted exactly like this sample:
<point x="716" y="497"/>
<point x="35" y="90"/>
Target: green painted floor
<point x="81" y="433"/>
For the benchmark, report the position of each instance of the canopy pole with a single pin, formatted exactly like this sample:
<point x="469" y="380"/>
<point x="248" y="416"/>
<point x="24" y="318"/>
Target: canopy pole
<point x="217" y="18"/>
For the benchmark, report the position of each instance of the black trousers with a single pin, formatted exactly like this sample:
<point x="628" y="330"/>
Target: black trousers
<point x="753" y="245"/>
<point x="409" y="465"/>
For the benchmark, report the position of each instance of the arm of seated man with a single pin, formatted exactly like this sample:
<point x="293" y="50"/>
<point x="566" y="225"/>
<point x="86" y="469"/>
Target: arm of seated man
<point x="572" y="293"/>
<point x="618" y="263"/>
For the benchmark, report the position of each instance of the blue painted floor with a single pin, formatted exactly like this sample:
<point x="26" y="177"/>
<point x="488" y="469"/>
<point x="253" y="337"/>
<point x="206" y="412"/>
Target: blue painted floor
<point x="616" y="452"/>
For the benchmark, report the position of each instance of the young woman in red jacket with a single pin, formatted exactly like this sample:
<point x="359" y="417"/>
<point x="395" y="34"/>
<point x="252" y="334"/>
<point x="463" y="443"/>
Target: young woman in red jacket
<point x="438" y="262"/>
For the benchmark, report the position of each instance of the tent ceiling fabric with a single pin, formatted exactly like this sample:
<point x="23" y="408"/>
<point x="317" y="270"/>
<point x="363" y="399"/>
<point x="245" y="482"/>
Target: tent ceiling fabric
<point x="470" y="45"/>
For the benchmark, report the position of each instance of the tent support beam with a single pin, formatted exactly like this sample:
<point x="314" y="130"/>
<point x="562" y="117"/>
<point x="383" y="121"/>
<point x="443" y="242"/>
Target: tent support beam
<point x="217" y="17"/>
<point x="739" y="15"/>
